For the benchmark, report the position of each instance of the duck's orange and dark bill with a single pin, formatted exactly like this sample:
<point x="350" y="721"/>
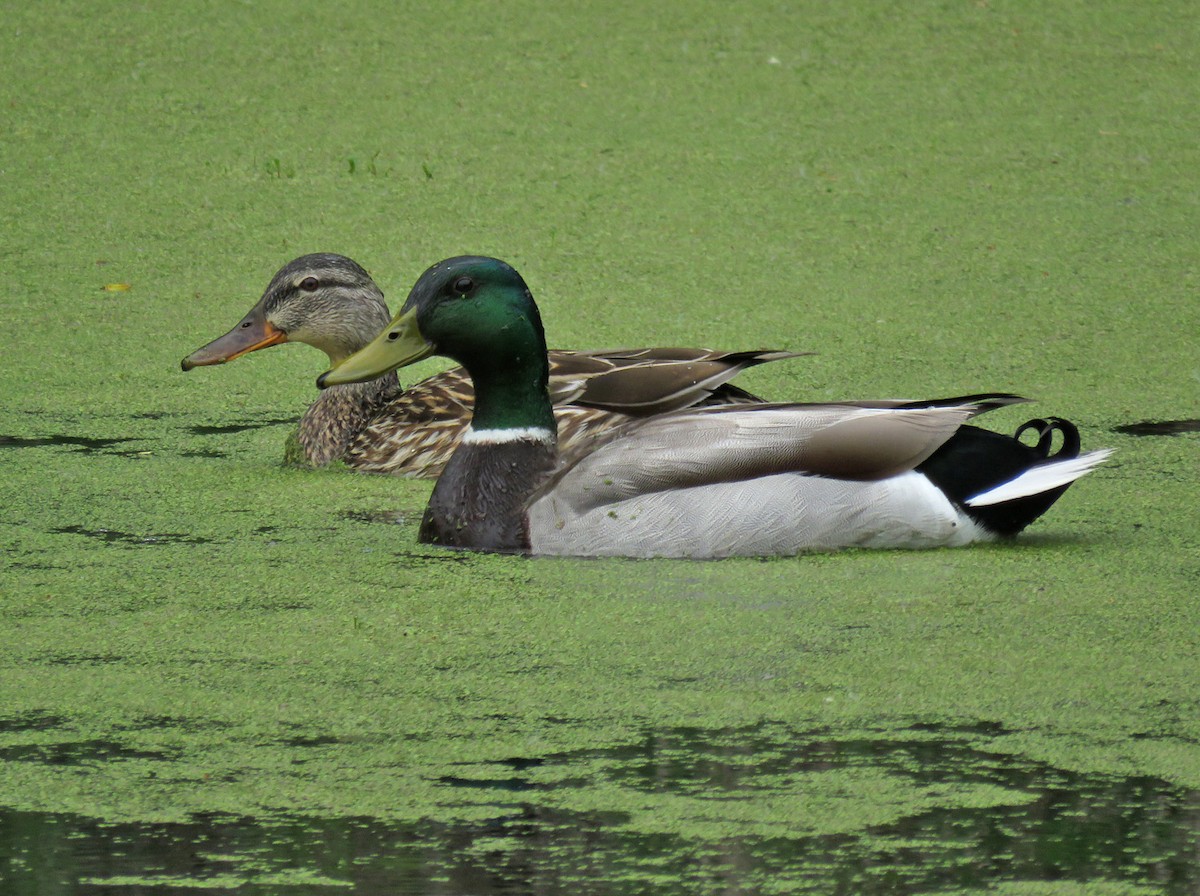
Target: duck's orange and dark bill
<point x="253" y="333"/>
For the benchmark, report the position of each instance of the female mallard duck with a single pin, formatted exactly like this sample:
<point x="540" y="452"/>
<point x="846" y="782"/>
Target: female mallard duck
<point x="331" y="303"/>
<point x="703" y="482"/>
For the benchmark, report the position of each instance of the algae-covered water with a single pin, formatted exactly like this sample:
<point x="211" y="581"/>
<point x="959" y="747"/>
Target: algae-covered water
<point x="220" y="673"/>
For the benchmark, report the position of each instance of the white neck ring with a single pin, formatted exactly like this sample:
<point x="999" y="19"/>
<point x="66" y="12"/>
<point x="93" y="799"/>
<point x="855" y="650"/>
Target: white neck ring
<point x="501" y="436"/>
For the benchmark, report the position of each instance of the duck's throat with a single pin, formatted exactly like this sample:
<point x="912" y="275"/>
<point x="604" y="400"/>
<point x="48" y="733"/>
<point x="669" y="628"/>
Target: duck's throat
<point x="510" y="401"/>
<point x="339" y="415"/>
<point x="479" y="500"/>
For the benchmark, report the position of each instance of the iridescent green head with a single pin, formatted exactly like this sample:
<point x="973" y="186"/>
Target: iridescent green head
<point x="479" y="312"/>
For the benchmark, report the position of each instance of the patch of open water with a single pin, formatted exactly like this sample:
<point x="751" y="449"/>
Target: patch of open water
<point x="115" y="536"/>
<point x="210" y="429"/>
<point x="85" y="444"/>
<point x="1159" y="427"/>
<point x="91" y="445"/>
<point x="1050" y="824"/>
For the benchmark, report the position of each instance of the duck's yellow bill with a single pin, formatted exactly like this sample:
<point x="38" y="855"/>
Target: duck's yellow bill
<point x="399" y="345"/>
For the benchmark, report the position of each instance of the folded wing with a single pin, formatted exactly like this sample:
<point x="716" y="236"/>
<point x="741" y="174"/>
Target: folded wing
<point x="735" y="444"/>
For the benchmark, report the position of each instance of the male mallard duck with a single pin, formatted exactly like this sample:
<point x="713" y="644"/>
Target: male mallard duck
<point x="331" y="303"/>
<point x="703" y="482"/>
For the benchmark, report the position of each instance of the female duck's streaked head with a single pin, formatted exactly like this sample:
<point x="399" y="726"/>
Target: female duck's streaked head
<point x="327" y="301"/>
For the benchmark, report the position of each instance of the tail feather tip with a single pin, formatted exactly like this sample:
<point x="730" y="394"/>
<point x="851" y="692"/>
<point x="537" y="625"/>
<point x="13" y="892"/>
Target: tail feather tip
<point x="1041" y="478"/>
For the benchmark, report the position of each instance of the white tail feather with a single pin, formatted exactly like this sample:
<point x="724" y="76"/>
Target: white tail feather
<point x="1041" y="478"/>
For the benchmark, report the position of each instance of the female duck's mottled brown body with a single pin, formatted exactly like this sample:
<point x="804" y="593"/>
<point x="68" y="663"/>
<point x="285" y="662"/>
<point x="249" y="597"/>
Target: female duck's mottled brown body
<point x="414" y="431"/>
<point x="331" y="303"/>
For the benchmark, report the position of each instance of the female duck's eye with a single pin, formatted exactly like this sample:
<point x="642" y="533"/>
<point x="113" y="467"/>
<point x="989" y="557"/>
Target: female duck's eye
<point x="463" y="285"/>
<point x="309" y="284"/>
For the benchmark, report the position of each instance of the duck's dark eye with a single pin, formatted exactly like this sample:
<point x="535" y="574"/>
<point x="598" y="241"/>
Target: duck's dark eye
<point x="463" y="285"/>
<point x="309" y="284"/>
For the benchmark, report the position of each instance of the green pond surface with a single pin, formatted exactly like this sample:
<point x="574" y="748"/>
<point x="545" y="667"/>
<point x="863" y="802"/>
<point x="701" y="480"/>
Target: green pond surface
<point x="222" y="674"/>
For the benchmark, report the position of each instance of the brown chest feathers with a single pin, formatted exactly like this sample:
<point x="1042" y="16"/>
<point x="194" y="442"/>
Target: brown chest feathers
<point x="479" y="501"/>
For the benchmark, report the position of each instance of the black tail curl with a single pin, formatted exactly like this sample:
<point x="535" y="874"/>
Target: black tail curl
<point x="1045" y="437"/>
<point x="975" y="460"/>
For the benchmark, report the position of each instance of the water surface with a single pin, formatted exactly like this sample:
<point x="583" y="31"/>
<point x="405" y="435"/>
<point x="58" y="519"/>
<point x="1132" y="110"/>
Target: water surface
<point x="219" y="672"/>
<point x="970" y="816"/>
